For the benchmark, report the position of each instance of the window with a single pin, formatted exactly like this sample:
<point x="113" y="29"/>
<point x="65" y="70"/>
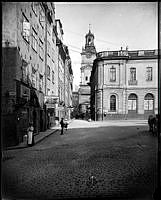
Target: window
<point x="48" y="48"/>
<point x="113" y="103"/>
<point x="148" y="102"/>
<point x="48" y="29"/>
<point x="113" y="74"/>
<point x="41" y="49"/>
<point x="132" y="102"/>
<point x="132" y="74"/>
<point x="41" y="17"/>
<point x="33" y="77"/>
<point x="25" y="28"/>
<point x="48" y="91"/>
<point x="34" y="40"/>
<point x="34" y="7"/>
<point x="53" y="76"/>
<point x="52" y="55"/>
<point x="86" y="78"/>
<point x="48" y="72"/>
<point x="40" y="82"/>
<point x="149" y="73"/>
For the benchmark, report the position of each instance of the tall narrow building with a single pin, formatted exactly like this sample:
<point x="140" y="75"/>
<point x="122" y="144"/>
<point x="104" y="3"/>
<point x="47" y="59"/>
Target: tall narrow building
<point x="87" y="56"/>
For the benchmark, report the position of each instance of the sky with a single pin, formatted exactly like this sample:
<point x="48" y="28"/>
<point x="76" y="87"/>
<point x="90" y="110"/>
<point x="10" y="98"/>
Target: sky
<point x="114" y="25"/>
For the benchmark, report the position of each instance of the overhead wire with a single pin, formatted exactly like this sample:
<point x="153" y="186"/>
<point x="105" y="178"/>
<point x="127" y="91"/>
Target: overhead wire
<point x="97" y="39"/>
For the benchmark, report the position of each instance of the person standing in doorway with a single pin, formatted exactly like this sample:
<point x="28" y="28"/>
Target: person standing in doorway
<point x="62" y="126"/>
<point x="30" y="134"/>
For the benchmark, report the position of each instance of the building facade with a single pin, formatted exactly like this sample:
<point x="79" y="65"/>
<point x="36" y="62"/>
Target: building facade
<point x="124" y="84"/>
<point x="87" y="56"/>
<point x="30" y="69"/>
<point x="75" y="104"/>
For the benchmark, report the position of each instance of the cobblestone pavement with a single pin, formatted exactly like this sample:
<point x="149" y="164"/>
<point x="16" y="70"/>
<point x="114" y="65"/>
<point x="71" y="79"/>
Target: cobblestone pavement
<point x="103" y="162"/>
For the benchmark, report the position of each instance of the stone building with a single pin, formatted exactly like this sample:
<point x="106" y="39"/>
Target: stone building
<point x="30" y="68"/>
<point x="75" y="104"/>
<point x="51" y="65"/>
<point x="65" y="75"/>
<point x="124" y="84"/>
<point x="87" y="56"/>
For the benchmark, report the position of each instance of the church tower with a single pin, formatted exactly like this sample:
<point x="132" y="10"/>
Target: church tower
<point x="87" y="57"/>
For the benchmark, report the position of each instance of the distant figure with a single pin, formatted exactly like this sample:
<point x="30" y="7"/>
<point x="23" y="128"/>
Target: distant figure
<point x="62" y="125"/>
<point x="66" y="124"/>
<point x="153" y="123"/>
<point x="30" y="135"/>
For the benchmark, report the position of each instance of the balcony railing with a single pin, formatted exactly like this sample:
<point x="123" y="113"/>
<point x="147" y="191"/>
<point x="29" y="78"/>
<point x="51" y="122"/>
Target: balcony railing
<point x="123" y="53"/>
<point x="132" y="82"/>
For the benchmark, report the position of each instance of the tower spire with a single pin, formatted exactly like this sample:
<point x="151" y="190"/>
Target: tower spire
<point x="89" y="27"/>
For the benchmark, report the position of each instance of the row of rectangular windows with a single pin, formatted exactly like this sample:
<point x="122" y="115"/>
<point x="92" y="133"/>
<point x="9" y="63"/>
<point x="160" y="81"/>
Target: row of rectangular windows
<point x="26" y="35"/>
<point x="132" y="74"/>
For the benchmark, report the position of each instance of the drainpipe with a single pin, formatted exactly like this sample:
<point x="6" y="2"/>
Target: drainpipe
<point x="45" y="64"/>
<point x="45" y="51"/>
<point x="102" y="90"/>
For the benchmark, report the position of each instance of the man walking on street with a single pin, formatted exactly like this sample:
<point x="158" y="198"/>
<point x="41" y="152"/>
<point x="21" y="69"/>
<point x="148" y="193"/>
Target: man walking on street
<point x="62" y="125"/>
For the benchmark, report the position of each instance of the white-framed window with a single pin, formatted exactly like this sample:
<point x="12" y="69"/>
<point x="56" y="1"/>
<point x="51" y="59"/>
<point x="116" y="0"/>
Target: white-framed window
<point x="112" y="74"/>
<point x="34" y="40"/>
<point x="25" y="28"/>
<point x="149" y="74"/>
<point x="86" y="78"/>
<point x="132" y="102"/>
<point x="132" y="74"/>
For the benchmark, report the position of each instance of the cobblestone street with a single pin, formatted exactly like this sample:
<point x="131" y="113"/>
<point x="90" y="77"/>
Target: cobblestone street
<point x="102" y="162"/>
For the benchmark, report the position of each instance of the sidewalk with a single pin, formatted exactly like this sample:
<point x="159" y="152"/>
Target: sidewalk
<point x="37" y="138"/>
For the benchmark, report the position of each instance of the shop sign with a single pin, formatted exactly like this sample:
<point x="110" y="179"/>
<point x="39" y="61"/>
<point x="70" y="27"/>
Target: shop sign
<point x="12" y="93"/>
<point x="25" y="92"/>
<point x="51" y="99"/>
<point x="49" y="105"/>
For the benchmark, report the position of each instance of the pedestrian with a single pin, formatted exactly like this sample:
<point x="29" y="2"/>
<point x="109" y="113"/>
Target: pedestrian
<point x="30" y="135"/>
<point x="62" y="125"/>
<point x="66" y="124"/>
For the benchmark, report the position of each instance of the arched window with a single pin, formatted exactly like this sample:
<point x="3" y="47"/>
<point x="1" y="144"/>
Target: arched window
<point x="113" y="103"/>
<point x="132" y="102"/>
<point x="148" y="102"/>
